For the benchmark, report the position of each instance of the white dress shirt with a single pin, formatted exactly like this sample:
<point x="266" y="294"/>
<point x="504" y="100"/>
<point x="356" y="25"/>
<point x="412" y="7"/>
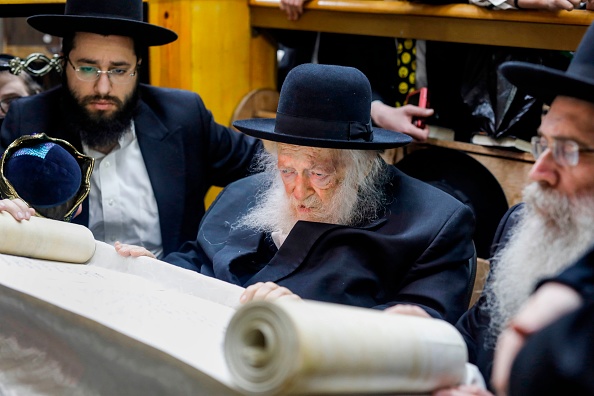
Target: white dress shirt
<point x="122" y="202"/>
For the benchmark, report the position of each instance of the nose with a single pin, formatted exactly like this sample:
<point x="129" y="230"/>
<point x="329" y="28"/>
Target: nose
<point x="302" y="188"/>
<point x="103" y="84"/>
<point x="545" y="169"/>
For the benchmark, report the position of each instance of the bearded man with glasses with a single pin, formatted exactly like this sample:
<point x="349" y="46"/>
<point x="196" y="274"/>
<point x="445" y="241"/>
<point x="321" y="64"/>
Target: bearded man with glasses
<point x="156" y="150"/>
<point x="545" y="235"/>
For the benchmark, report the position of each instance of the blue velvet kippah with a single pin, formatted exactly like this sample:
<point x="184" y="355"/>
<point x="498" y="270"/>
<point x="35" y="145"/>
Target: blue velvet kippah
<point x="44" y="175"/>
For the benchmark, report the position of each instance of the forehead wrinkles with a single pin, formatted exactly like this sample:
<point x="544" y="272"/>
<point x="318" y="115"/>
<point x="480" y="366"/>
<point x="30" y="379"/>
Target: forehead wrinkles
<point x="570" y="118"/>
<point x="313" y="155"/>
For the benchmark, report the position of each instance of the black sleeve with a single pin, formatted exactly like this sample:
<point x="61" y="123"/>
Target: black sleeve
<point x="506" y="224"/>
<point x="579" y="276"/>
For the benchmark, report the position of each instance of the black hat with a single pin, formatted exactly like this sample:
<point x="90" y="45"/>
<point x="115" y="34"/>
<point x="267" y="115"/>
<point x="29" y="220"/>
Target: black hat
<point x="324" y="106"/>
<point x="546" y="83"/>
<point x="105" y="17"/>
<point x="466" y="179"/>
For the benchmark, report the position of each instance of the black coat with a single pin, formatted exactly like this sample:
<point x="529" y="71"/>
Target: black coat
<point x="417" y="253"/>
<point x="184" y="150"/>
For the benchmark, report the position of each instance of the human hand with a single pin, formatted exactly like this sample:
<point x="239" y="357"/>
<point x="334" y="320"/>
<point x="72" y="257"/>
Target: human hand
<point x="556" y="5"/>
<point x="463" y="390"/>
<point x="550" y="5"/>
<point x="268" y="291"/>
<point x="126" y="250"/>
<point x="78" y="211"/>
<point x="550" y="302"/>
<point x="17" y="208"/>
<point x="408" y="309"/>
<point x="400" y="119"/>
<point x="293" y="8"/>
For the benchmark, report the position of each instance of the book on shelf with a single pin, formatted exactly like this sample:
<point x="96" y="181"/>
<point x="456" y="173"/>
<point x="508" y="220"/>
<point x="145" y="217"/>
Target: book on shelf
<point x="93" y="322"/>
<point x="441" y="133"/>
<point x="506" y="142"/>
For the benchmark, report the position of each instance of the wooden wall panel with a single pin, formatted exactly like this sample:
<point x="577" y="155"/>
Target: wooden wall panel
<point x="214" y="53"/>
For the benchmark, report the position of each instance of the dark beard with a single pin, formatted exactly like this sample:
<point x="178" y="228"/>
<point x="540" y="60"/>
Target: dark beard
<point x="97" y="130"/>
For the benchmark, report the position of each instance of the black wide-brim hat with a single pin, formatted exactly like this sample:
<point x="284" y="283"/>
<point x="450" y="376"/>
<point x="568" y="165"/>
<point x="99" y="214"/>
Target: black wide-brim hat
<point x="105" y="17"/>
<point x="466" y="179"/>
<point x="324" y="106"/>
<point x="546" y="83"/>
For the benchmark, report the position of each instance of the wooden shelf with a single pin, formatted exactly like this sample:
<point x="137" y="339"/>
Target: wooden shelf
<point x="483" y="150"/>
<point x="463" y="23"/>
<point x="510" y="168"/>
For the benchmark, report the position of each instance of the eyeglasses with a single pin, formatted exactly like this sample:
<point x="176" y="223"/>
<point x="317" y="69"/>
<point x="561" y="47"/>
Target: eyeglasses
<point x="565" y="152"/>
<point x="92" y="73"/>
<point x="5" y="103"/>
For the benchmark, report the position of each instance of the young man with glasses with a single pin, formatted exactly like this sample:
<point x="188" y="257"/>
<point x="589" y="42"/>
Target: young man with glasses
<point x="156" y="150"/>
<point x="554" y="228"/>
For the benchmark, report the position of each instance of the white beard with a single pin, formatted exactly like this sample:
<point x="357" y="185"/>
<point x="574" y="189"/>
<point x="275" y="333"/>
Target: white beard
<point x="359" y="198"/>
<point x="553" y="233"/>
<point x="277" y="211"/>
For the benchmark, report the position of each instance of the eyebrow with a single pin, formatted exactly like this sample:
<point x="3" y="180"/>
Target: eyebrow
<point x="95" y="62"/>
<point x="579" y="142"/>
<point x="325" y="169"/>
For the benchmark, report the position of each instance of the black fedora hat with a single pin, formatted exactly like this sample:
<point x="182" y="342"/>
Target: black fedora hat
<point x="106" y="17"/>
<point x="547" y="83"/>
<point x="324" y="106"/>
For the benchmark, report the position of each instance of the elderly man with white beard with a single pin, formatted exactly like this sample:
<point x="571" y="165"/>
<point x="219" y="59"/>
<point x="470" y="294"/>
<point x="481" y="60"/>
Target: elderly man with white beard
<point x="328" y="219"/>
<point x="555" y="227"/>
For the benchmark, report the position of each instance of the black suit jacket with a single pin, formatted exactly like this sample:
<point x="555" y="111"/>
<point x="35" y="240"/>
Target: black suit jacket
<point x="417" y="253"/>
<point x="579" y="276"/>
<point x="184" y="150"/>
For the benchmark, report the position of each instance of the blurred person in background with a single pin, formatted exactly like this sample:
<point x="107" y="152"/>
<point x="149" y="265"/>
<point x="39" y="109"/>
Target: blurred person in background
<point x="13" y="86"/>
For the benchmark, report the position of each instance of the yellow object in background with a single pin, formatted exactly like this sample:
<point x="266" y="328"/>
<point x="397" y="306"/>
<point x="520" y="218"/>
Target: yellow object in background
<point x="211" y="195"/>
<point x="216" y="55"/>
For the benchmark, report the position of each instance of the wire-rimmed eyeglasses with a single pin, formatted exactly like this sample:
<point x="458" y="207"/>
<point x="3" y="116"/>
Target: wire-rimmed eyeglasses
<point x="92" y="73"/>
<point x="5" y="104"/>
<point x="566" y="152"/>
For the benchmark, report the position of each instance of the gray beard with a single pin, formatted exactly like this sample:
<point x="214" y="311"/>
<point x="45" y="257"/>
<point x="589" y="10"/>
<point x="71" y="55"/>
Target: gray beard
<point x="553" y="233"/>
